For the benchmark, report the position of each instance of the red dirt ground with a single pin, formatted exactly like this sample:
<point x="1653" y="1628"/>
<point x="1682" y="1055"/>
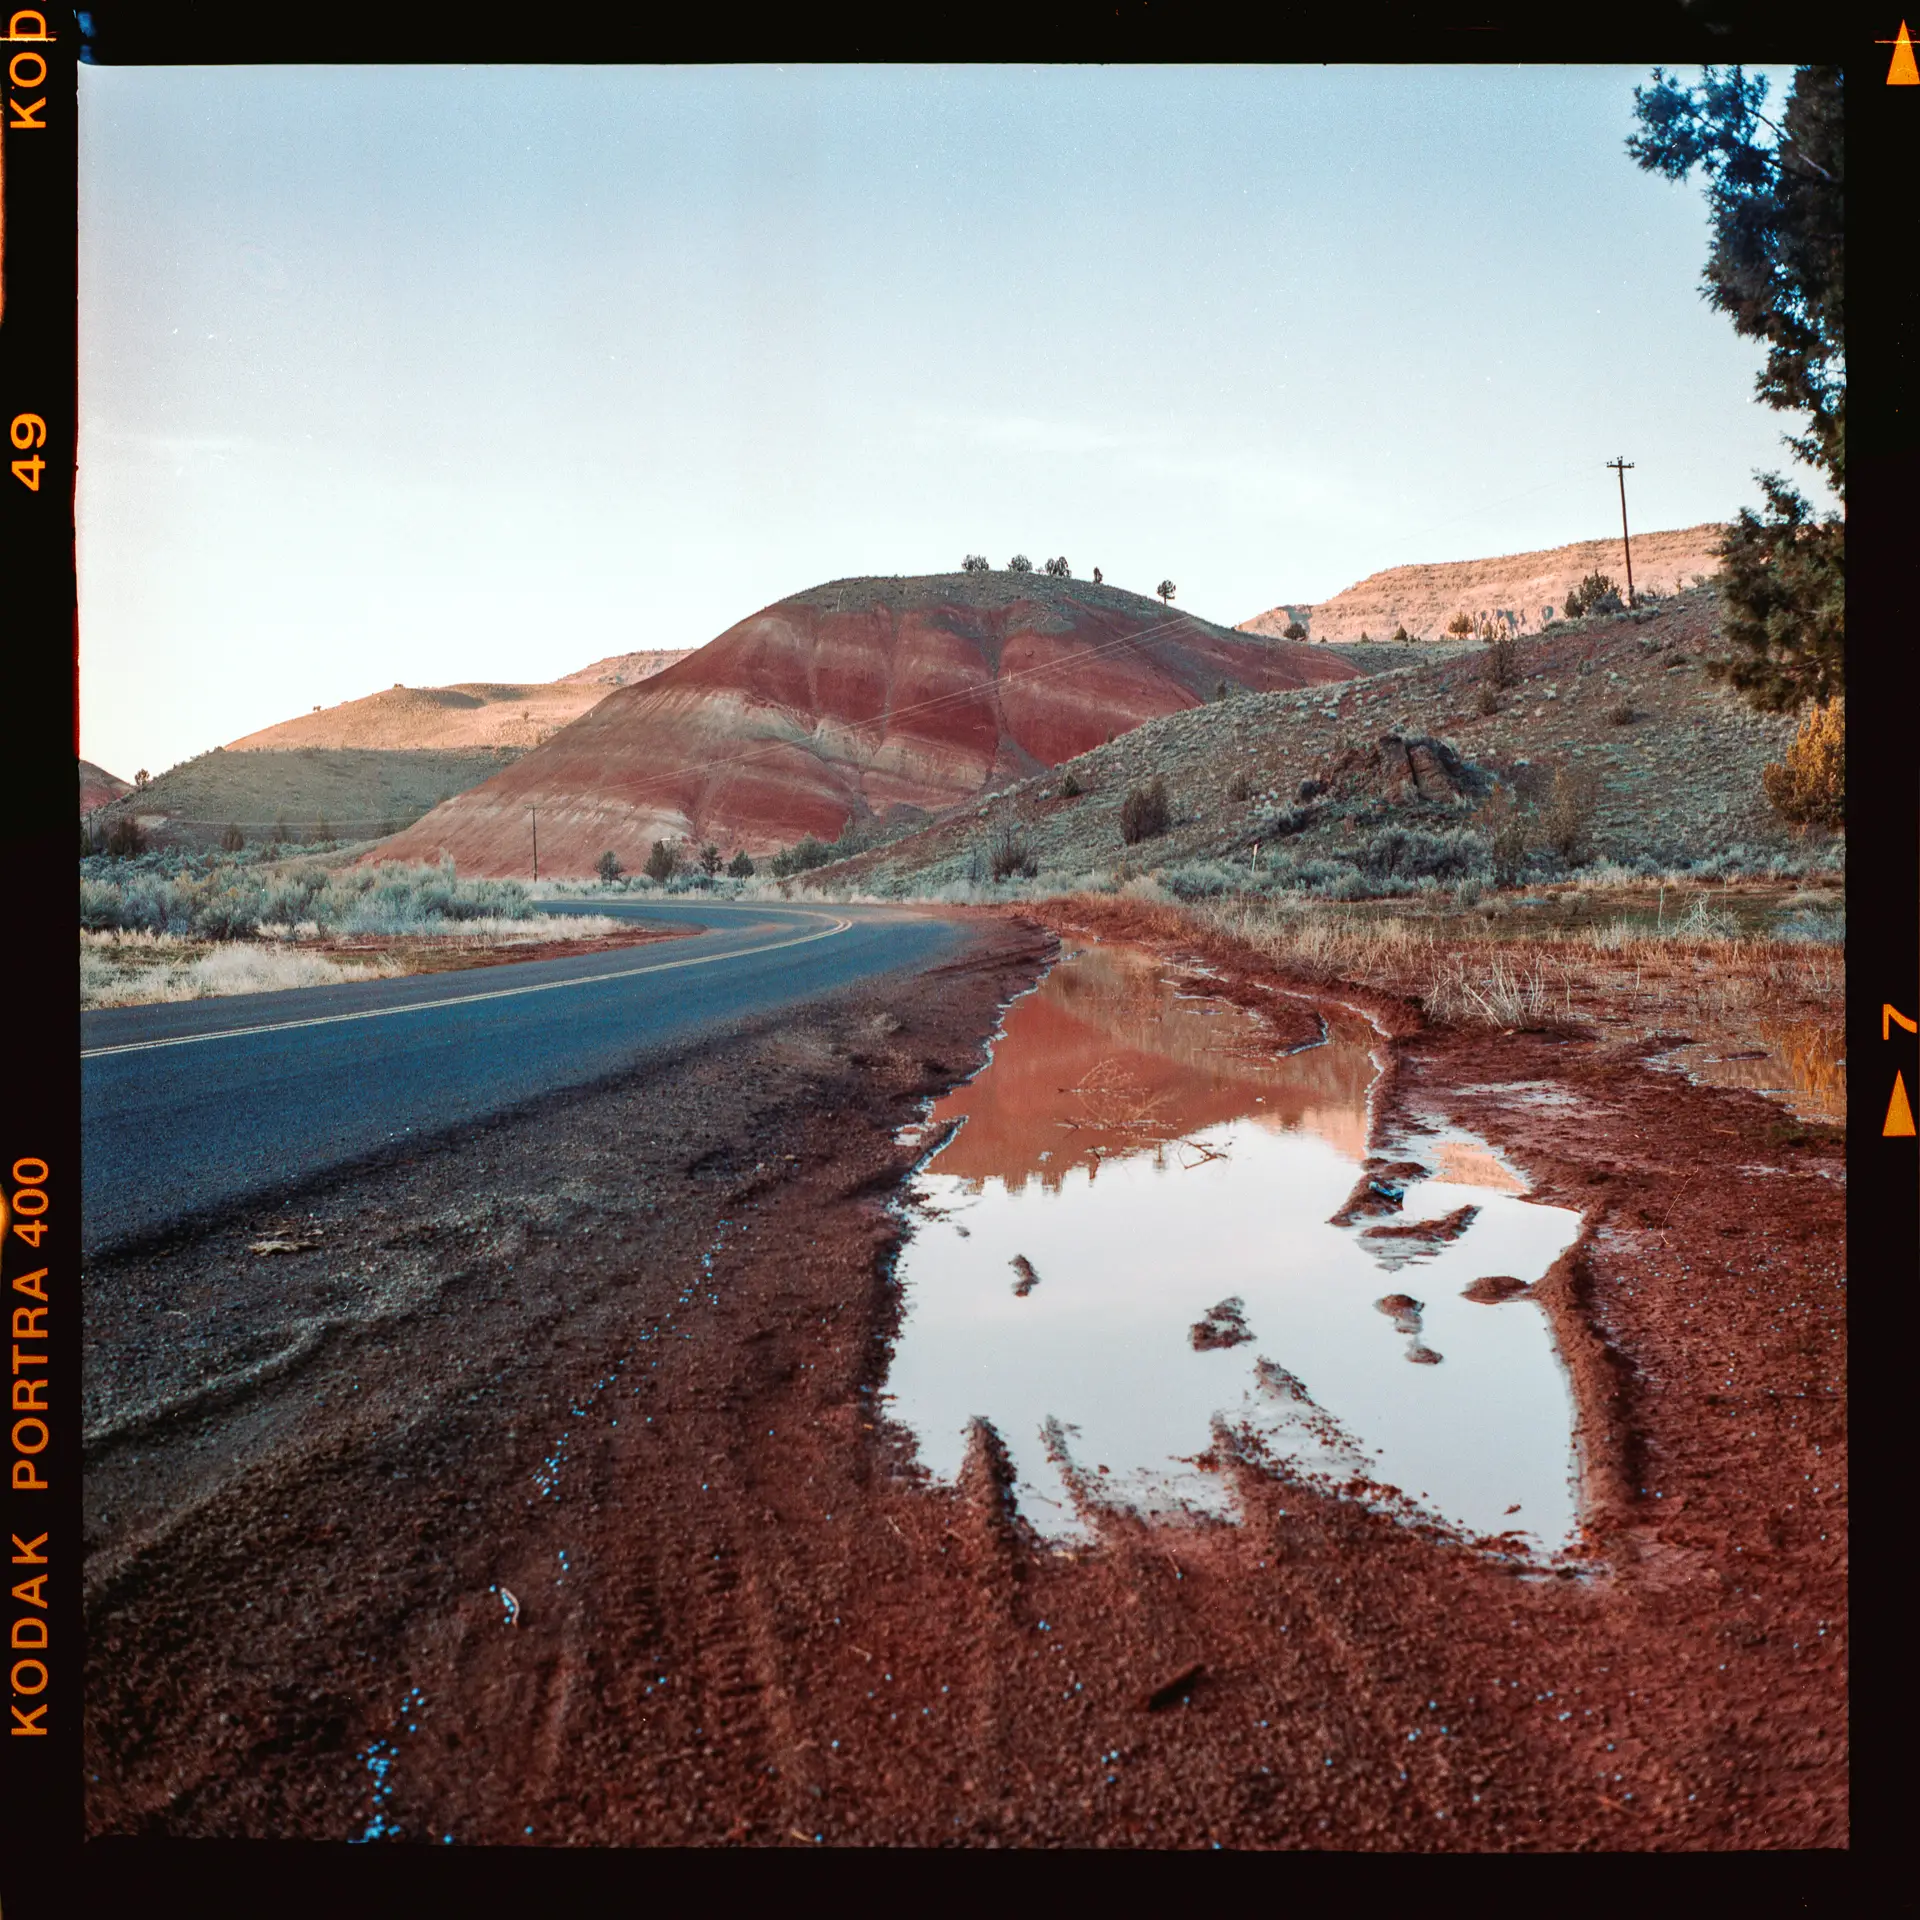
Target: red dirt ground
<point x="768" y="1630"/>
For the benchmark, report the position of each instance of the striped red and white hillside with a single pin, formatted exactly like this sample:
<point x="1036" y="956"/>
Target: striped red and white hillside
<point x="843" y="702"/>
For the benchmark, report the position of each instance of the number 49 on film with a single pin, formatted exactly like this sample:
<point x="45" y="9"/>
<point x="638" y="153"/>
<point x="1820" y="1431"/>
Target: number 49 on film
<point x="27" y="432"/>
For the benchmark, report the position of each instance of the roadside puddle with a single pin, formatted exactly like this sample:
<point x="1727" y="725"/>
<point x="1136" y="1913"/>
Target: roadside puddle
<point x="1800" y="1063"/>
<point x="1140" y="1258"/>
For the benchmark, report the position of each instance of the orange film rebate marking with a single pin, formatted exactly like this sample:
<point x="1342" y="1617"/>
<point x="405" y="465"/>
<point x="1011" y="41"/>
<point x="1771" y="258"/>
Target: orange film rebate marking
<point x="1891" y="1016"/>
<point x="1899" y="1110"/>
<point x="1901" y="71"/>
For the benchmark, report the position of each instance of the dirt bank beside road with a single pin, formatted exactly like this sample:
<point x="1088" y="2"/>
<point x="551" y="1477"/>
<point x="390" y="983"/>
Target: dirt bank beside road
<point x="545" y="1498"/>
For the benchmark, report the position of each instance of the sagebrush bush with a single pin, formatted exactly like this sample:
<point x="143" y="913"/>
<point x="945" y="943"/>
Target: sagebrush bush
<point x="1145" y="813"/>
<point x="1508" y="826"/>
<point x="1343" y="883"/>
<point x="415" y="901"/>
<point x="1809" y="788"/>
<point x="1204" y="879"/>
<point x="1566" y="821"/>
<point x="1826" y="928"/>
<point x="1240" y="787"/>
<point x="1413" y="853"/>
<point x="1007" y="854"/>
<point x="230" y="902"/>
<point x="1070" y="787"/>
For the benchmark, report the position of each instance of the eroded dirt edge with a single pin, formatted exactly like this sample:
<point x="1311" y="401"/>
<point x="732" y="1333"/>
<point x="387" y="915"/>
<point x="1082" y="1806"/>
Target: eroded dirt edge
<point x="559" y="1508"/>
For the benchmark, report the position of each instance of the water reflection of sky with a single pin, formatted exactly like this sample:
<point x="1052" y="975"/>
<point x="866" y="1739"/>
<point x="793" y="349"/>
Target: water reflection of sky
<point x="1149" y="1157"/>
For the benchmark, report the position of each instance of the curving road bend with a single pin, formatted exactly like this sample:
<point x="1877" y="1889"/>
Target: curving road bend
<point x="190" y="1107"/>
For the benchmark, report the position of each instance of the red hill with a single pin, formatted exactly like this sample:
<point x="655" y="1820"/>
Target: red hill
<point x="99" y="788"/>
<point x="844" y="702"/>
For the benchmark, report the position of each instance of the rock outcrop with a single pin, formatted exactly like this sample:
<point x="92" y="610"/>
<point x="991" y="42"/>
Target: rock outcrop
<point x="1521" y="591"/>
<point x="844" y="703"/>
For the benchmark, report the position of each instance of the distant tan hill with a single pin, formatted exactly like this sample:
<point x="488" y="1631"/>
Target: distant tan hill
<point x="99" y="788"/>
<point x="475" y="714"/>
<point x="1523" y="591"/>
<point x="301" y="795"/>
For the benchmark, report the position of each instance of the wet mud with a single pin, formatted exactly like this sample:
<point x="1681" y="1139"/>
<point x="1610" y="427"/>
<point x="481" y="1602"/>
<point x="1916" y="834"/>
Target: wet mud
<point x="551" y="1498"/>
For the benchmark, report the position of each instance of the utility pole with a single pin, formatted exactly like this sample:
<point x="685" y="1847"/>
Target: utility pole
<point x="1622" y="468"/>
<point x="535" y="811"/>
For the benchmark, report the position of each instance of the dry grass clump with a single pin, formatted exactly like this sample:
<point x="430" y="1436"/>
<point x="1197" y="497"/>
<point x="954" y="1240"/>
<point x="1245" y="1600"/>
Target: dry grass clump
<point x="1508" y="991"/>
<point x="129" y="967"/>
<point x="1319" y="945"/>
<point x="143" y="969"/>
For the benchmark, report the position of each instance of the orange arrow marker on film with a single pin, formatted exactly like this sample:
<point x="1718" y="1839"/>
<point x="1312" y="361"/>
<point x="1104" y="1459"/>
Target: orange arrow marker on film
<point x="1899" y="1111"/>
<point x="1903" y="72"/>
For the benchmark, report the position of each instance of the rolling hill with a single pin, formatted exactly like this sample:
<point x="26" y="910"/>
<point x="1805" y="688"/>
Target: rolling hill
<point x="846" y="703"/>
<point x="1524" y="591"/>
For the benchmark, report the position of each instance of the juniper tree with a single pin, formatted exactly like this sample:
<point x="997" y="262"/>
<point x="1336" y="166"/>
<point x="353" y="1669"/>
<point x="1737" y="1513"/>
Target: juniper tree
<point x="1776" y="201"/>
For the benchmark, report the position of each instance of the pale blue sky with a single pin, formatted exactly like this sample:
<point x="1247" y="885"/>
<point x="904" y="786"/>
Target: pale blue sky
<point x="441" y="374"/>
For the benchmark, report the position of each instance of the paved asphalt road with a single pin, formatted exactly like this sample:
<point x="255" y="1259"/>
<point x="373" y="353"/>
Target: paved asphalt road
<point x="189" y="1107"/>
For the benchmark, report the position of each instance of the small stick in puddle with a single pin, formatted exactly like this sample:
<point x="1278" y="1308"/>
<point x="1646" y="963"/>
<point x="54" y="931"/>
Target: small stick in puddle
<point x="1028" y="1278"/>
<point x="1177" y="1688"/>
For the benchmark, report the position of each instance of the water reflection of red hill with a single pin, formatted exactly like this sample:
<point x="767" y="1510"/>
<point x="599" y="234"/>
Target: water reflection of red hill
<point x="1105" y="1059"/>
